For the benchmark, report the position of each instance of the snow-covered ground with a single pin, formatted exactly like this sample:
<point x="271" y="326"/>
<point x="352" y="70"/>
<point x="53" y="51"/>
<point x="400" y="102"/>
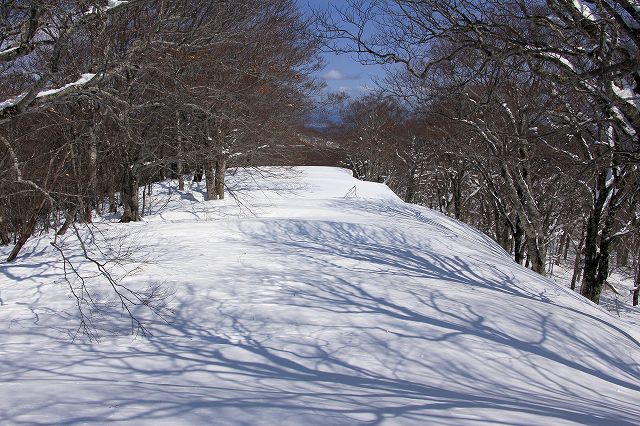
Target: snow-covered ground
<point x="617" y="300"/>
<point x="311" y="299"/>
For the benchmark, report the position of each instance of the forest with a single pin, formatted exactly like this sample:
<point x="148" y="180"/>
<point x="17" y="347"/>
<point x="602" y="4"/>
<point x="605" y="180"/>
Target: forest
<point x="518" y="117"/>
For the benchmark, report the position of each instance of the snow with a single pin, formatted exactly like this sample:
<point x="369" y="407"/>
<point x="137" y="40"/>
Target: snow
<point x="628" y="94"/>
<point x="11" y="102"/>
<point x="84" y="79"/>
<point x="111" y="4"/>
<point x="564" y="61"/>
<point x="115" y="3"/>
<point x="8" y="51"/>
<point x="295" y="304"/>
<point x="584" y="10"/>
<point x="619" y="304"/>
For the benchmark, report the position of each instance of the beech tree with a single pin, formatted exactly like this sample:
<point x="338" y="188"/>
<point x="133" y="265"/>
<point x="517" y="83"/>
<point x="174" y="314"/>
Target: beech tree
<point x="585" y="56"/>
<point x="101" y="98"/>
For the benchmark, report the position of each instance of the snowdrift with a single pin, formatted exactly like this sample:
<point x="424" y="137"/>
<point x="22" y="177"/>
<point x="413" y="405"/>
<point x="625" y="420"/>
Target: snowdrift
<point x="309" y="298"/>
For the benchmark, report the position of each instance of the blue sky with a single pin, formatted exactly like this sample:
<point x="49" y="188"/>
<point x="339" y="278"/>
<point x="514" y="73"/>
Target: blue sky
<point x="342" y="72"/>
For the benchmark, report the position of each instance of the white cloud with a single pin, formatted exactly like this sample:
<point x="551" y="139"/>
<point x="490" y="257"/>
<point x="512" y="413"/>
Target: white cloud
<point x="333" y="74"/>
<point x="355" y="90"/>
<point x="366" y="88"/>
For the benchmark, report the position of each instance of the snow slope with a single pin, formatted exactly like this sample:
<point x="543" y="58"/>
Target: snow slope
<point x="312" y="299"/>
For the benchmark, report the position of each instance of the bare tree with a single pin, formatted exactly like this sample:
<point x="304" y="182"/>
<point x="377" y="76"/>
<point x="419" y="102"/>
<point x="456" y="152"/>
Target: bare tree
<point x="586" y="56"/>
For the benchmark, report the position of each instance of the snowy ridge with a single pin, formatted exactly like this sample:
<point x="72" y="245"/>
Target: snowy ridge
<point x="305" y="302"/>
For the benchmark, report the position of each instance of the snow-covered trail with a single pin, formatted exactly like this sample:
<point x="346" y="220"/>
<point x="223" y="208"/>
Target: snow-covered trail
<point x="305" y="307"/>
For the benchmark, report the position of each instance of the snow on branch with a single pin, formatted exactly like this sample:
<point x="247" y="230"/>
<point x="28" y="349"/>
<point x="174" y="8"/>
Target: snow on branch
<point x="111" y="4"/>
<point x="82" y="81"/>
<point x="627" y="94"/>
<point x="31" y="38"/>
<point x="8" y="52"/>
<point x="584" y="10"/>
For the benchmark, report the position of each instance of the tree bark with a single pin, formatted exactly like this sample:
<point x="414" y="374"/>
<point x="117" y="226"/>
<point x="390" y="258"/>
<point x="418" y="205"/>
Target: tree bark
<point x="4" y="235"/>
<point x="577" y="263"/>
<point x="536" y="254"/>
<point x="210" y="177"/>
<point x="636" y="291"/>
<point x="567" y="243"/>
<point x="598" y="239"/>
<point x="221" y="166"/>
<point x="68" y="220"/>
<point x="180" y="177"/>
<point x="93" y="171"/>
<point x="113" y="203"/>
<point x="129" y="193"/>
<point x="179" y="154"/>
<point x="411" y="186"/>
<point x="561" y="244"/>
<point x="197" y="175"/>
<point x="530" y="217"/>
<point x="518" y="237"/>
<point x="26" y="231"/>
<point x="622" y="254"/>
<point x="457" y="195"/>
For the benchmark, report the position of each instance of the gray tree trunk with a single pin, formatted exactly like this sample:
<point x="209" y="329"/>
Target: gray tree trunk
<point x="598" y="240"/>
<point x="180" y="153"/>
<point x="221" y="166"/>
<point x="4" y="235"/>
<point x="26" y="231"/>
<point x="577" y="263"/>
<point x="68" y="220"/>
<point x="636" y="292"/>
<point x="210" y="176"/>
<point x="129" y="193"/>
<point x="530" y="217"/>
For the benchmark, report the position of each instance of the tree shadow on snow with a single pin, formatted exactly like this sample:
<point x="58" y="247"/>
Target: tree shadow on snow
<point x="217" y="360"/>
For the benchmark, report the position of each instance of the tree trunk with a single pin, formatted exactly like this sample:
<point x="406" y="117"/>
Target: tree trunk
<point x="603" y="262"/>
<point x="591" y="259"/>
<point x="457" y="196"/>
<point x="524" y="203"/>
<point x="180" y="178"/>
<point x="410" y="193"/>
<point x="577" y="263"/>
<point x="68" y="220"/>
<point x="636" y="291"/>
<point x="129" y="194"/>
<point x="180" y="170"/>
<point x="26" y="232"/>
<point x="561" y="245"/>
<point x="622" y="254"/>
<point x="567" y="243"/>
<point x="577" y="270"/>
<point x="87" y="216"/>
<point x="221" y="166"/>
<point x="4" y="238"/>
<point x="210" y="177"/>
<point x="598" y="240"/>
<point x="596" y="270"/>
<point x="179" y="154"/>
<point x="518" y="245"/>
<point x="4" y="235"/>
<point x="93" y="172"/>
<point x="197" y="175"/>
<point x="113" y="203"/>
<point x="536" y="253"/>
<point x="502" y="230"/>
<point x="144" y="200"/>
